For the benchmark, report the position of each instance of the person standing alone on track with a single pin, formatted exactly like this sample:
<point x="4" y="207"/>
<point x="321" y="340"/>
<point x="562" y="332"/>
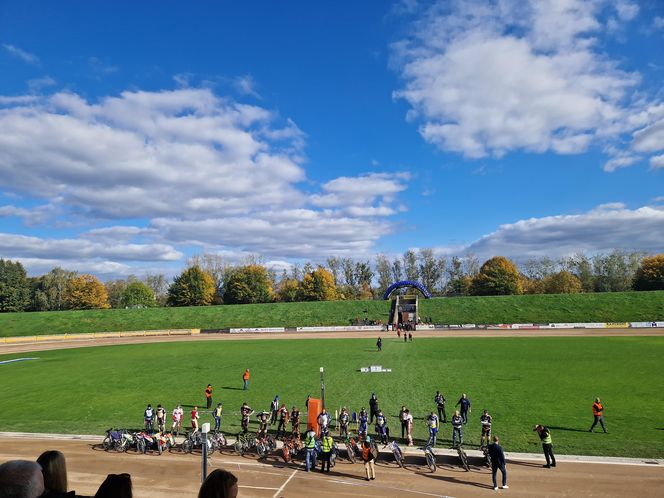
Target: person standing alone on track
<point x="497" y="462"/>
<point x="598" y="413"/>
<point x="208" y="397"/>
<point x="547" y="445"/>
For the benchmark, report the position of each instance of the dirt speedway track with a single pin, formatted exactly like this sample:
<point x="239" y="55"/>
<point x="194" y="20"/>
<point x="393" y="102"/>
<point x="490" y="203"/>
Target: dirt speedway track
<point x="25" y="347"/>
<point x="175" y="474"/>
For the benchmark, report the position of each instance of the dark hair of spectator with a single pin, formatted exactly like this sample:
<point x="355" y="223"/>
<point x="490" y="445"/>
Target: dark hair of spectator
<point x="219" y="484"/>
<point x="54" y="469"/>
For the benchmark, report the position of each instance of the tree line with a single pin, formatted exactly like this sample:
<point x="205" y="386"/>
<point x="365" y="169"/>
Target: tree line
<point x="209" y="279"/>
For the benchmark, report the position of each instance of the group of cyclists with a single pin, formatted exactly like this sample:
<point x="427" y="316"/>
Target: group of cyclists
<point x="279" y="414"/>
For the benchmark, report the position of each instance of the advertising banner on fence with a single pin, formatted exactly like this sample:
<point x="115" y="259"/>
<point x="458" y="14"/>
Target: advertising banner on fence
<point x="617" y="325"/>
<point x="645" y="325"/>
<point x="256" y="330"/>
<point x="340" y="328"/>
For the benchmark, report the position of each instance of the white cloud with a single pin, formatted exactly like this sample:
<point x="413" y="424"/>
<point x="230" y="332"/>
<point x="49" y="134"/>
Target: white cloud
<point x="36" y="85"/>
<point x="30" y="216"/>
<point x="620" y="161"/>
<point x="13" y="245"/>
<point x="650" y="138"/>
<point x="486" y="78"/>
<point x="21" y="54"/>
<point x="608" y="227"/>
<point x="658" y="22"/>
<point x="245" y="85"/>
<point x="181" y="168"/>
<point x="657" y="162"/>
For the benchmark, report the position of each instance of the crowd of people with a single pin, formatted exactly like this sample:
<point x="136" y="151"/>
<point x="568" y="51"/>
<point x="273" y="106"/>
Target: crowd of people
<point x="47" y="478"/>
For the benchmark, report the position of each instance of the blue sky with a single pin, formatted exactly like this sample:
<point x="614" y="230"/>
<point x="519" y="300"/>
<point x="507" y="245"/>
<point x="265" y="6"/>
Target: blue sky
<point x="133" y="136"/>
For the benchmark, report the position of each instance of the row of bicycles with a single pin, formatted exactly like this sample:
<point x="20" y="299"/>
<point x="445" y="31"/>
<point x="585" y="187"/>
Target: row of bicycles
<point x="123" y="440"/>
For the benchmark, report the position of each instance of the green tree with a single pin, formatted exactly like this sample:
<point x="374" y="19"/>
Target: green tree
<point x="650" y="275"/>
<point x="581" y="267"/>
<point x="115" y="290"/>
<point x="384" y="271"/>
<point x="138" y="295"/>
<point x="432" y="270"/>
<point x="562" y="282"/>
<point x="85" y="292"/>
<point x="318" y="285"/>
<point x="48" y="290"/>
<point x="288" y="290"/>
<point x="497" y="277"/>
<point x="193" y="287"/>
<point x="248" y="284"/>
<point x="14" y="286"/>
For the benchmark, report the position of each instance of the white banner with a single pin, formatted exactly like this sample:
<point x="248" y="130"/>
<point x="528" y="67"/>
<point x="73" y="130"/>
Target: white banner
<point x="257" y="329"/>
<point x="340" y="328"/>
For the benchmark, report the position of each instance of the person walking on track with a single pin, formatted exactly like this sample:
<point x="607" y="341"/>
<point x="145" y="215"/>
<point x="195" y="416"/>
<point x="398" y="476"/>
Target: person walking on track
<point x="547" y="445"/>
<point x="598" y="413"/>
<point x="208" y="397"/>
<point x="497" y="462"/>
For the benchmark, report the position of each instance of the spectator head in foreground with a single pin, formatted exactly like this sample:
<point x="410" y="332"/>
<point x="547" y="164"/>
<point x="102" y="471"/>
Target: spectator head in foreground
<point x="54" y="469"/>
<point x="115" y="486"/>
<point x="21" y="479"/>
<point x="219" y="484"/>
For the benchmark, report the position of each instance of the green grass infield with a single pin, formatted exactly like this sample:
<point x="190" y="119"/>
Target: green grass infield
<point x="522" y="381"/>
<point x="600" y="307"/>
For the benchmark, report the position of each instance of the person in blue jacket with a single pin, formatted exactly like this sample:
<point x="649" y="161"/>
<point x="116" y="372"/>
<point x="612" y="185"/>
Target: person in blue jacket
<point x="497" y="462"/>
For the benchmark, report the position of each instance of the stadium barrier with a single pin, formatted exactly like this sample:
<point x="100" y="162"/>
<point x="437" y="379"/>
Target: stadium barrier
<point x="97" y="335"/>
<point x="340" y="328"/>
<point x="253" y="330"/>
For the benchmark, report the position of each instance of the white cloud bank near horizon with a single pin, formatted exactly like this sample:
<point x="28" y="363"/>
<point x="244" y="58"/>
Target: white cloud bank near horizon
<point x="485" y="78"/>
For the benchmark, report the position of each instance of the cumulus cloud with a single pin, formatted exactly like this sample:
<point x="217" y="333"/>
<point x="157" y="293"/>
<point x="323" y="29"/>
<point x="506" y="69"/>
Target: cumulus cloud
<point x="657" y="162"/>
<point x="176" y="169"/>
<point x="485" y="78"/>
<point x="607" y="227"/>
<point x="21" y="54"/>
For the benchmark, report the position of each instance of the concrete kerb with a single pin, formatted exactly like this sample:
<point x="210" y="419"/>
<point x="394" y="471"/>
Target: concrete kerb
<point x="412" y="451"/>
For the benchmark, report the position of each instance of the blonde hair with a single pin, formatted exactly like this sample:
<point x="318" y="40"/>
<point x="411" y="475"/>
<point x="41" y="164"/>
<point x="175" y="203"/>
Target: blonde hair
<point x="54" y="469"/>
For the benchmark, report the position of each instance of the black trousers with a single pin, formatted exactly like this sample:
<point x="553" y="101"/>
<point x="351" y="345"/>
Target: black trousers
<point x="404" y="428"/>
<point x="442" y="416"/>
<point x="325" y="461"/>
<point x="548" y="454"/>
<point x="209" y="402"/>
<point x="494" y="470"/>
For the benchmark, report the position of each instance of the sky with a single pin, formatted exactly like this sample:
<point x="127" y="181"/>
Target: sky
<point x="132" y="137"/>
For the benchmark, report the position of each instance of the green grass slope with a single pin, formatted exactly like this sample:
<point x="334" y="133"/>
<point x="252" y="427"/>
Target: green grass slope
<point x="602" y="307"/>
<point x="522" y="381"/>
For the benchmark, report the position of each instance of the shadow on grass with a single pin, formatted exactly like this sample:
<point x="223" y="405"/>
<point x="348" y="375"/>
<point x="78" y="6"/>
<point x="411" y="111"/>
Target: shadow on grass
<point x="233" y="388"/>
<point x="569" y="429"/>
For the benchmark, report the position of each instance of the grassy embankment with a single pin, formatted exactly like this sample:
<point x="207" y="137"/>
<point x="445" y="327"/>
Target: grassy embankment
<point x="522" y="381"/>
<point x="604" y="307"/>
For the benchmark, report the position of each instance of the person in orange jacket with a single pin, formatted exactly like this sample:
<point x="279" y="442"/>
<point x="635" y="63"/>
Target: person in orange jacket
<point x="245" y="379"/>
<point x="598" y="413"/>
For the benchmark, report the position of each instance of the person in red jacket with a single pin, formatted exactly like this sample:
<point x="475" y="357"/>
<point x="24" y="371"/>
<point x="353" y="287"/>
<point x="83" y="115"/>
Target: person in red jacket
<point x="208" y="396"/>
<point x="598" y="413"/>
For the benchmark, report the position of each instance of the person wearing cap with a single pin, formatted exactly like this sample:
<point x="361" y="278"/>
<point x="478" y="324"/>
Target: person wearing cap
<point x="497" y="462"/>
<point x="368" y="459"/>
<point x="598" y="413"/>
<point x="547" y="445"/>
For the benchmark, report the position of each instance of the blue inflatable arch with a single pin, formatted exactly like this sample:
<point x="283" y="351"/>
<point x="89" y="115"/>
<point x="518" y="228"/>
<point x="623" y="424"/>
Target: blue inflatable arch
<point x="406" y="283"/>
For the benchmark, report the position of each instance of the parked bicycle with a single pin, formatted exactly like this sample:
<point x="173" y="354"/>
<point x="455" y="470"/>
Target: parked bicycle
<point x="396" y="451"/>
<point x="292" y="448"/>
<point x="194" y="440"/>
<point x="463" y="457"/>
<point x="265" y="446"/>
<point x="487" y="457"/>
<point x="429" y="455"/>
<point x="352" y="449"/>
<point x="113" y="440"/>
<point x="218" y="440"/>
<point x="244" y="442"/>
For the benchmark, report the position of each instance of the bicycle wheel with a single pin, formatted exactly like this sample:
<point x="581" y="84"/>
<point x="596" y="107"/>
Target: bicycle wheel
<point x="285" y="453"/>
<point x="107" y="444"/>
<point x="141" y="446"/>
<point x="398" y="456"/>
<point x="187" y="446"/>
<point x="351" y="453"/>
<point x="464" y="459"/>
<point x="431" y="461"/>
<point x="261" y="449"/>
<point x="160" y="447"/>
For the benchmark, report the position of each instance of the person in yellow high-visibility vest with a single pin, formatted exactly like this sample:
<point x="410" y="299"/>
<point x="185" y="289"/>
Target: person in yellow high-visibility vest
<point x="326" y="446"/>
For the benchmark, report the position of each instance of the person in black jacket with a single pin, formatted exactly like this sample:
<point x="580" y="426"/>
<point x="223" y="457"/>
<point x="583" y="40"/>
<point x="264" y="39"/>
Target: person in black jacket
<point x="373" y="407"/>
<point x="497" y="462"/>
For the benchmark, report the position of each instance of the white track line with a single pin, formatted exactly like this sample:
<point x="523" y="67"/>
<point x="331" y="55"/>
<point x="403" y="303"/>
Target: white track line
<point x="275" y="495"/>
